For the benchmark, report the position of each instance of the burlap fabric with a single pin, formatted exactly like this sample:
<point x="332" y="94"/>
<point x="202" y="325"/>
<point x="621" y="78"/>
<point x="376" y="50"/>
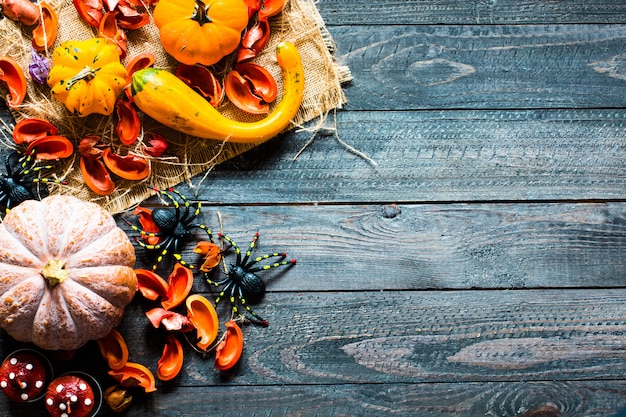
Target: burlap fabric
<point x="300" y="23"/>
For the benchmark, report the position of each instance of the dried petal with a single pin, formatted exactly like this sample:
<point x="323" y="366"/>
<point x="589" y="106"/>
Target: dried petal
<point x="254" y="41"/>
<point x="134" y="375"/>
<point x="45" y="33"/>
<point x="114" y="349"/>
<point x="171" y="361"/>
<point x="201" y="79"/>
<point x="51" y="147"/>
<point x="158" y="145"/>
<point x="39" y="67"/>
<point x="128" y="125"/>
<point x="151" y="285"/>
<point x="96" y="176"/>
<point x="27" y="130"/>
<point x="180" y="282"/>
<point x="229" y="350"/>
<point x="203" y="316"/>
<point x="12" y="75"/>
<point x="130" y="167"/>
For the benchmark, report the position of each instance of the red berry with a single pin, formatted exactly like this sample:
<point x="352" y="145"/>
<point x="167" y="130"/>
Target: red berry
<point x="23" y="376"/>
<point x="69" y="396"/>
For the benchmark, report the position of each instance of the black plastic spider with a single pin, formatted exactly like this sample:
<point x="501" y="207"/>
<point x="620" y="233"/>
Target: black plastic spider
<point x="175" y="226"/>
<point x="241" y="280"/>
<point x="21" y="183"/>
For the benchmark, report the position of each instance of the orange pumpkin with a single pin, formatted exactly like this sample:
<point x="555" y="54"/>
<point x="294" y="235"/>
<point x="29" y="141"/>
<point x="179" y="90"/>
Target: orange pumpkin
<point x="66" y="272"/>
<point x="200" y="31"/>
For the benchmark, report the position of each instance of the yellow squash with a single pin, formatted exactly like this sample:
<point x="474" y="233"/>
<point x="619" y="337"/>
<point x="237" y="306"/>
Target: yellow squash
<point x="87" y="76"/>
<point x="167" y="99"/>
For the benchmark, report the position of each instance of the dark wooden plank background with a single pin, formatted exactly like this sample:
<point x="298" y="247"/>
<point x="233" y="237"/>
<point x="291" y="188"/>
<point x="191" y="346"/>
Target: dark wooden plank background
<point x="471" y="265"/>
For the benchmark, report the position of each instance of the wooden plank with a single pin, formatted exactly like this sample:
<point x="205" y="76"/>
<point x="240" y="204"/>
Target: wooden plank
<point x="483" y="67"/>
<point x="580" y="398"/>
<point x="484" y="12"/>
<point x="455" y="246"/>
<point x="435" y="156"/>
<point x="408" y="337"/>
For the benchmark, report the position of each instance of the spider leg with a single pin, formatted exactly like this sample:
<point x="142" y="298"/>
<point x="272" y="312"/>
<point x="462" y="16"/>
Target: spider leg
<point x="215" y="283"/>
<point x="223" y="292"/>
<point x="245" y="305"/>
<point x="186" y="219"/>
<point x="203" y="227"/>
<point x="269" y="266"/>
<point x="175" y="203"/>
<point x="177" y="255"/>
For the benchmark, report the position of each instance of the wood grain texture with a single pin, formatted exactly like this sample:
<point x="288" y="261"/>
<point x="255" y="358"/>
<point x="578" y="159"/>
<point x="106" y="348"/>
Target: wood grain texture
<point x="483" y="67"/>
<point x="435" y="156"/>
<point x="571" y="399"/>
<point x="483" y="12"/>
<point x="507" y="350"/>
<point x="455" y="246"/>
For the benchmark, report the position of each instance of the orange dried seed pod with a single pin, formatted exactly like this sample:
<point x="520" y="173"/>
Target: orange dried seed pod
<point x="114" y="350"/>
<point x="203" y="316"/>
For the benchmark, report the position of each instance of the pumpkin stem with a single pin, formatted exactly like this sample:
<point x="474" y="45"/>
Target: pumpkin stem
<point x="201" y="13"/>
<point x="54" y="272"/>
<point x="86" y="74"/>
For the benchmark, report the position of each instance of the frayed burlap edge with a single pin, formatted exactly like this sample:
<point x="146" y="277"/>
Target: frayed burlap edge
<point x="300" y="23"/>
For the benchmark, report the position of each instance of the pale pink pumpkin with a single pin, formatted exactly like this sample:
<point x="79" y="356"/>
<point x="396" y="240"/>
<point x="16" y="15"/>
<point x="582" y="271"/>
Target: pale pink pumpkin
<point x="66" y="272"/>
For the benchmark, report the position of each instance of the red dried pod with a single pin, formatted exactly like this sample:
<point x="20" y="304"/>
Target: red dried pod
<point x="45" y="33"/>
<point x="114" y="349"/>
<point x="110" y="30"/>
<point x="158" y="144"/>
<point x="134" y="375"/>
<point x="180" y="282"/>
<point x="203" y="316"/>
<point x="91" y="11"/>
<point x="141" y="61"/>
<point x="171" y="361"/>
<point x="50" y="148"/>
<point x="148" y="225"/>
<point x="13" y="77"/>
<point x="90" y="146"/>
<point x="229" y="350"/>
<point x="253" y="6"/>
<point x="170" y="320"/>
<point x="251" y="88"/>
<point x="128" y="126"/>
<point x="129" y="17"/>
<point x="27" y="130"/>
<point x="202" y="80"/>
<point x="150" y="284"/>
<point x="212" y="254"/>
<point x="271" y="8"/>
<point x="253" y="41"/>
<point x="130" y="167"/>
<point x="96" y="176"/>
